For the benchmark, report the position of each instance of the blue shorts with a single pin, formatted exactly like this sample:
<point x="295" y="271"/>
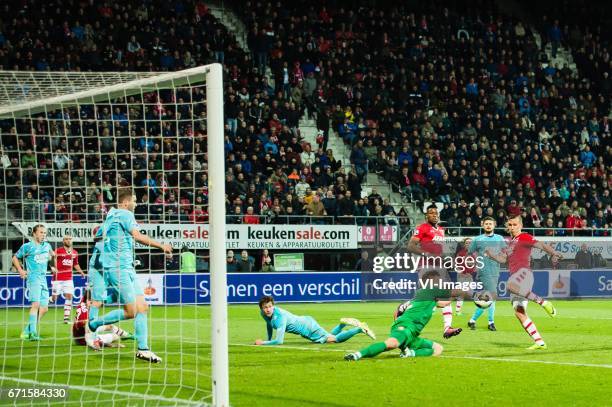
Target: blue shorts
<point x="123" y="285"/>
<point x="317" y="334"/>
<point x="38" y="289"/>
<point x="489" y="281"/>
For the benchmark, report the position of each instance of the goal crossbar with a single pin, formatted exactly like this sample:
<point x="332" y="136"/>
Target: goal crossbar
<point x="89" y="96"/>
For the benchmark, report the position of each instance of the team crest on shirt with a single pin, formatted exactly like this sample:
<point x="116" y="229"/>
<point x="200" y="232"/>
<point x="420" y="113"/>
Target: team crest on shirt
<point x="41" y="258"/>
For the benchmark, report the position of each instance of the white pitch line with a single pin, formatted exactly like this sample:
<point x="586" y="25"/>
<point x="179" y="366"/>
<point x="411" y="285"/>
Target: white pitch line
<point x="180" y="402"/>
<point x="546" y="362"/>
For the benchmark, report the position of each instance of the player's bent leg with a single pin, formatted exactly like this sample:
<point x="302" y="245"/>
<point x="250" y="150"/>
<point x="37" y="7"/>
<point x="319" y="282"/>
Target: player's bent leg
<point x="520" y="311"/>
<point x="94" y="309"/>
<point x="122" y="285"/>
<point x="344" y="335"/>
<point x="419" y="347"/>
<point x="364" y="327"/>
<point x="521" y="283"/>
<point x="374" y="349"/>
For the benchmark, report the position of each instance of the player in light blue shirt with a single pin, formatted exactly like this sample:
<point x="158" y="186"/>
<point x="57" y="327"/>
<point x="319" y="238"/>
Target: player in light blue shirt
<point x="119" y="232"/>
<point x="304" y="326"/>
<point x="488" y="275"/>
<point x="36" y="255"/>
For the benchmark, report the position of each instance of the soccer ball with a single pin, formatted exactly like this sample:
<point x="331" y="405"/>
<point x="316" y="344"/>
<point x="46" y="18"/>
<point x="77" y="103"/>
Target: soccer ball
<point x="483" y="299"/>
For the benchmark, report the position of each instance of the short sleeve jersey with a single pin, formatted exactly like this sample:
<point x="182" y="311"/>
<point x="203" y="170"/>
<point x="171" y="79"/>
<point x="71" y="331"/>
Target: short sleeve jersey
<point x="118" y="250"/>
<point x="36" y="257"/>
<point x="64" y="263"/>
<point x="519" y="252"/>
<point x="432" y="238"/>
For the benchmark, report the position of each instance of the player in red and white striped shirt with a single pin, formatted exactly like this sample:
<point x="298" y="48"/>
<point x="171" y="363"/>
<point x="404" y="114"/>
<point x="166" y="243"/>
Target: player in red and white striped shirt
<point x="520" y="282"/>
<point x="106" y="335"/>
<point x="67" y="258"/>
<point x="427" y="241"/>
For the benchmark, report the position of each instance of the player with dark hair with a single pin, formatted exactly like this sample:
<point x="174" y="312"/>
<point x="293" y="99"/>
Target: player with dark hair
<point x="520" y="282"/>
<point x="305" y="326"/>
<point x="120" y="231"/>
<point x="488" y="275"/>
<point x="428" y="241"/>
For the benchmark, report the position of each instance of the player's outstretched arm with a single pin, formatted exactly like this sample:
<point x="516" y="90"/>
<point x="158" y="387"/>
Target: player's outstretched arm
<point x="280" y="335"/>
<point x="548" y="249"/>
<point x="147" y="241"/>
<point x="17" y="264"/>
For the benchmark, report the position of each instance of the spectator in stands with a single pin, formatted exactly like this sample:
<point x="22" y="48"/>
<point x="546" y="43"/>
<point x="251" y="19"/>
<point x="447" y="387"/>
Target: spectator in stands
<point x="511" y="118"/>
<point x="584" y="258"/>
<point x="364" y="263"/>
<point x="231" y="263"/>
<point x="245" y="263"/>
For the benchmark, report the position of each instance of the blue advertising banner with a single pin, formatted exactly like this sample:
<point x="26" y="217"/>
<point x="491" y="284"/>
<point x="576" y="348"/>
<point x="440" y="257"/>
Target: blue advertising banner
<point x="591" y="283"/>
<point x="249" y="288"/>
<point x="315" y="287"/>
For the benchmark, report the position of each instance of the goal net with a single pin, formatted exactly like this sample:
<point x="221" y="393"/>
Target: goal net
<point x="69" y="142"/>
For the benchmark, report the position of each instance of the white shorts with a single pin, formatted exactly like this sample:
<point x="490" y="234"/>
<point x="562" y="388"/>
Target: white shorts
<point x="524" y="280"/>
<point x="59" y="287"/>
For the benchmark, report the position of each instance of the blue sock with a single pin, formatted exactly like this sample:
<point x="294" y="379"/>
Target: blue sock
<point x="491" y="312"/>
<point x="477" y="313"/>
<point x="31" y="327"/>
<point x="337" y="329"/>
<point x="348" y="334"/>
<point x="141" y="331"/>
<point x="93" y="312"/>
<point x="110" y="318"/>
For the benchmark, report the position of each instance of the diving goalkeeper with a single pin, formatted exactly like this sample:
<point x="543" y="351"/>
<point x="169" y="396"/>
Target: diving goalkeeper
<point x="305" y="326"/>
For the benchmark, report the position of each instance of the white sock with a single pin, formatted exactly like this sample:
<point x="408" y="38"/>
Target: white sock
<point x="531" y="329"/>
<point x="67" y="309"/>
<point x="447" y="314"/>
<point x="458" y="305"/>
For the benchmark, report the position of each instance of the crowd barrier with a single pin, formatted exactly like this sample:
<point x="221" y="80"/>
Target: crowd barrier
<point x="174" y="289"/>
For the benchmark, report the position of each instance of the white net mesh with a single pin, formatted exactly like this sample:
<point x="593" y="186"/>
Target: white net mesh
<point x="63" y="157"/>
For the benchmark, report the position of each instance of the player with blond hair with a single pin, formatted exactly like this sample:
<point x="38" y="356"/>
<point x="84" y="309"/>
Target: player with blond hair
<point x="520" y="283"/>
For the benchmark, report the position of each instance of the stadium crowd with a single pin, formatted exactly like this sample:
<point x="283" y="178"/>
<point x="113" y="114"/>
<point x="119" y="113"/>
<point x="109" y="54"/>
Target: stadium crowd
<point x="458" y="109"/>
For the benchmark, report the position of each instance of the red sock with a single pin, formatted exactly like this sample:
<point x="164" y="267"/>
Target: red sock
<point x="447" y="314"/>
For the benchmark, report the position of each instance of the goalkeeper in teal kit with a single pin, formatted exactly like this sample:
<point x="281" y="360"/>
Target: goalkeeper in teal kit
<point x="305" y="326"/>
<point x="489" y="274"/>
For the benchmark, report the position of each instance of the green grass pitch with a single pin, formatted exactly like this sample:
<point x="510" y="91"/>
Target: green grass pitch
<point x="477" y="368"/>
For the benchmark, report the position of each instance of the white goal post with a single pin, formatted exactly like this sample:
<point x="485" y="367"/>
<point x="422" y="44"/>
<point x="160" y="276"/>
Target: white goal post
<point x="26" y="94"/>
